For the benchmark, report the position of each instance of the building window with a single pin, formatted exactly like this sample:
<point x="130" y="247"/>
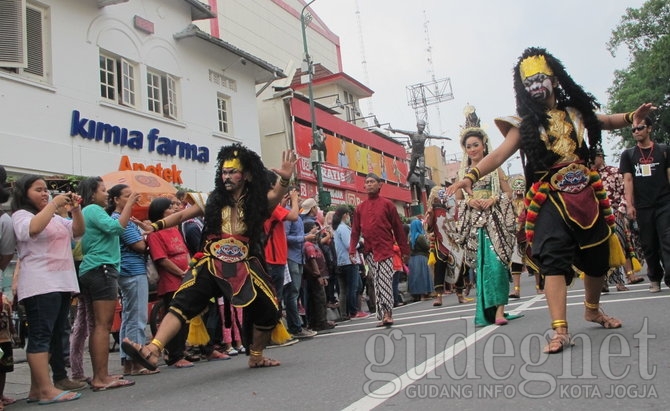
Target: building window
<point x="118" y="80"/>
<point x="127" y="83"/>
<point x="162" y="94"/>
<point x="171" y="92"/>
<point x="107" y="78"/>
<point x="24" y="39"/>
<point x="223" y="110"/>
<point x="349" y="107"/>
<point x="154" y="97"/>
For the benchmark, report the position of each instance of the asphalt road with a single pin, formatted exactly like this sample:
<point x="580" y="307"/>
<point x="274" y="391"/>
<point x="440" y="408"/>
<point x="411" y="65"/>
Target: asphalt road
<point x="432" y="358"/>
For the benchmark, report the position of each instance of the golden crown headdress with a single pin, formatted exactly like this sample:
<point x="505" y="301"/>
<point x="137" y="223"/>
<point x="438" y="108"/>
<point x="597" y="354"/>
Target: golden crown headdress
<point x="533" y="65"/>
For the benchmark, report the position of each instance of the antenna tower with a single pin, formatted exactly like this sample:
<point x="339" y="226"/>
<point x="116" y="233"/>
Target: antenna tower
<point x="364" y="61"/>
<point x="422" y="95"/>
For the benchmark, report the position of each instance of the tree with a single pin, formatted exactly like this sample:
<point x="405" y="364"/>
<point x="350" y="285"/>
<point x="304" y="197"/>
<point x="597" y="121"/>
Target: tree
<point x="646" y="34"/>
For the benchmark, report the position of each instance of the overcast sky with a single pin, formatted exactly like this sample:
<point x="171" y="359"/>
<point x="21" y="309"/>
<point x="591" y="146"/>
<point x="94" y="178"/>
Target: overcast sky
<point x="475" y="43"/>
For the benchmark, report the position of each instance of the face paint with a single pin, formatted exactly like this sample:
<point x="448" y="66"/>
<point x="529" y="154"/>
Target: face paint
<point x="232" y="178"/>
<point x="539" y="86"/>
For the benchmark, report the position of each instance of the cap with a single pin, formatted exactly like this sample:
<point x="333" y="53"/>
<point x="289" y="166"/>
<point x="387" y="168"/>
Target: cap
<point x="307" y="205"/>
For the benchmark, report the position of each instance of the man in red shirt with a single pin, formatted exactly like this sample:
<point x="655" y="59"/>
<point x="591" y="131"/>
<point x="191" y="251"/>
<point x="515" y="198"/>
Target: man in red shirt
<point x="377" y="220"/>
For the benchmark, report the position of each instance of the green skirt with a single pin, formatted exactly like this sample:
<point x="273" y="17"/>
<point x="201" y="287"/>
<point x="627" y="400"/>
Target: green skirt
<point x="492" y="282"/>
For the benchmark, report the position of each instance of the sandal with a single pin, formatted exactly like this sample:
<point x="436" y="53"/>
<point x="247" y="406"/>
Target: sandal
<point x="263" y="362"/>
<point x="558" y="343"/>
<point x="385" y="323"/>
<point x="438" y="300"/>
<point x="112" y="385"/>
<point x="143" y="371"/>
<point x="621" y="287"/>
<point x="134" y="350"/>
<point x="605" y="320"/>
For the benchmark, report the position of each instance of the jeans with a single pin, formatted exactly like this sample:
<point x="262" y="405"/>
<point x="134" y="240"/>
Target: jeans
<point x="82" y="327"/>
<point x="352" y="278"/>
<point x="291" y="293"/>
<point x="134" y="303"/>
<point x="47" y="315"/>
<point x="276" y="272"/>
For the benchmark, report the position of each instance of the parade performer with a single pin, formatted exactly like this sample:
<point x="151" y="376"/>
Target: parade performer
<point x="447" y="254"/>
<point x="568" y="210"/>
<point x="520" y="258"/>
<point x="486" y="223"/>
<point x="230" y="264"/>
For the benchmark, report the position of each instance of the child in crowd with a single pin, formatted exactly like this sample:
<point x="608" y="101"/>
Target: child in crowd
<point x="316" y="276"/>
<point x="7" y="360"/>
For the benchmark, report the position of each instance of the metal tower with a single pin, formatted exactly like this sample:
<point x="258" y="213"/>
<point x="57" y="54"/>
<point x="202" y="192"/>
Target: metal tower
<point x="364" y="61"/>
<point x="422" y="95"/>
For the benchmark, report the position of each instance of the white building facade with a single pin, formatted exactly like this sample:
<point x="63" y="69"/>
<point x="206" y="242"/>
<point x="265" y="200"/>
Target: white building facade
<point x="94" y="86"/>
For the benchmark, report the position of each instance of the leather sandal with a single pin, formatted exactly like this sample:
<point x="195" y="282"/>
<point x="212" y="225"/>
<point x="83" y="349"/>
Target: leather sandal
<point x="558" y="343"/>
<point x="605" y="320"/>
<point x="633" y="278"/>
<point x="621" y="287"/>
<point x="438" y="300"/>
<point x="139" y="354"/>
<point x="256" y="360"/>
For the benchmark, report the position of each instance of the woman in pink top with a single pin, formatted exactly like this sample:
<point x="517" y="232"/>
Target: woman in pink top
<point x="48" y="278"/>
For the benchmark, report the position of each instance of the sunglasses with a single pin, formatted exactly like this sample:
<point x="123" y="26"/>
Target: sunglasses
<point x="638" y="128"/>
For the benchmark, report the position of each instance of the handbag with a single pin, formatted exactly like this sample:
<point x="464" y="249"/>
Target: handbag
<point x="152" y="272"/>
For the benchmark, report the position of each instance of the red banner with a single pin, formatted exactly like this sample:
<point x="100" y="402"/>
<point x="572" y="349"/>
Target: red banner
<point x="331" y="175"/>
<point x="303" y="140"/>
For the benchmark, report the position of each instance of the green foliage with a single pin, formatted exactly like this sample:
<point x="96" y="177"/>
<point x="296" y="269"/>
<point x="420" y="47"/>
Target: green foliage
<point x="646" y="34"/>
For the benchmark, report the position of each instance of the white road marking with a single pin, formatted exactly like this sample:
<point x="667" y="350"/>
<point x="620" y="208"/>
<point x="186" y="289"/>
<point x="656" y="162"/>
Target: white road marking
<point x="379" y="396"/>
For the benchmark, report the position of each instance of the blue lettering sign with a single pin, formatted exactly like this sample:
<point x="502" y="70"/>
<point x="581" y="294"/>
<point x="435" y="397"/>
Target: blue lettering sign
<point x="134" y="139"/>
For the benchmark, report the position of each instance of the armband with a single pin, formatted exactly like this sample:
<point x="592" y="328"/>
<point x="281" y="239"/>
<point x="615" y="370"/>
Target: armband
<point x="628" y="117"/>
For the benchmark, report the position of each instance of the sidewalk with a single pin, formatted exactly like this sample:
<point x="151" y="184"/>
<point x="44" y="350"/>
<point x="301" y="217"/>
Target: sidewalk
<point x="18" y="382"/>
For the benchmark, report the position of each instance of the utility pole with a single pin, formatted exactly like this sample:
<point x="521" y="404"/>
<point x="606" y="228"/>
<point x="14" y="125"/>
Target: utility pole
<point x="324" y="196"/>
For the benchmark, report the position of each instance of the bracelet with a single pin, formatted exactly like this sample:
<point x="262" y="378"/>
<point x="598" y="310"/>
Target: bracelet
<point x="158" y="225"/>
<point x="158" y="344"/>
<point x="591" y="306"/>
<point x="473" y="175"/>
<point x="284" y="182"/>
<point x="628" y="117"/>
<point x="559" y="324"/>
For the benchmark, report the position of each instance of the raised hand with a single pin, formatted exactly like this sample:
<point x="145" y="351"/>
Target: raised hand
<point x="641" y="112"/>
<point x="289" y="159"/>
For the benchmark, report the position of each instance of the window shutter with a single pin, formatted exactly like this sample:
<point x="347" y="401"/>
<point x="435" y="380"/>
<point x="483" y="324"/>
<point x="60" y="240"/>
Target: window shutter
<point x="35" y="42"/>
<point x="127" y="83"/>
<point x="172" y="96"/>
<point x="13" y="44"/>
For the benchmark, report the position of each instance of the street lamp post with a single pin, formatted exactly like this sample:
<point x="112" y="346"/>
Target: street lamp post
<point x="317" y="157"/>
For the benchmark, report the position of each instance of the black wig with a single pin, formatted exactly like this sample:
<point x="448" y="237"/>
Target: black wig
<point x="534" y="115"/>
